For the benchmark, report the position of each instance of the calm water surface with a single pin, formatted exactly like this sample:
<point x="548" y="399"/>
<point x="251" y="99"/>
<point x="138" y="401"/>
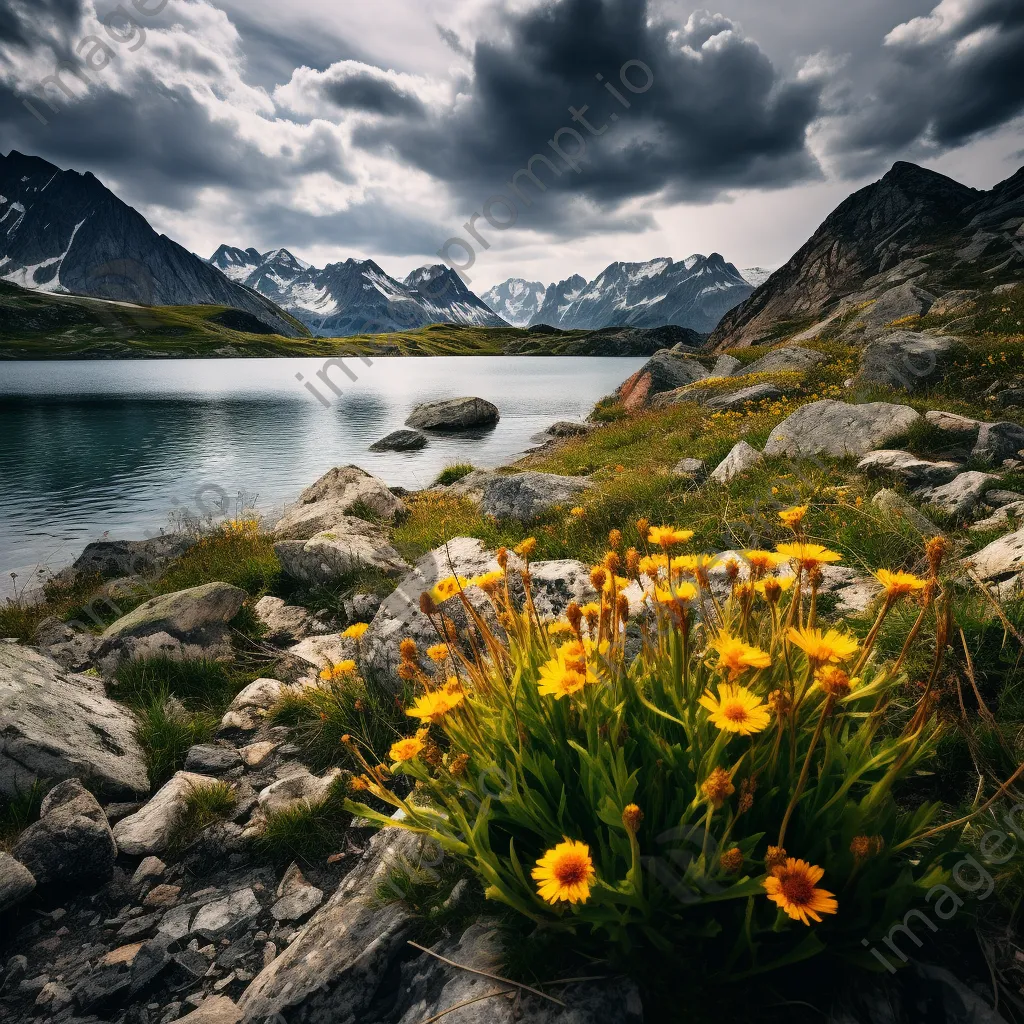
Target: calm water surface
<point x="89" y="448"/>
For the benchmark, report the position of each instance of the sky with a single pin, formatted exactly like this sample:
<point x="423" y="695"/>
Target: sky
<point x="511" y="138"/>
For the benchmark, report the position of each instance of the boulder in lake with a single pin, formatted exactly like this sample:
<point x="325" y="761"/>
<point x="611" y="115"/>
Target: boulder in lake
<point x="454" y="414"/>
<point x="523" y="497"/>
<point x="400" y="441"/>
<point x="71" y="840"/>
<point x="906" y="360"/>
<point x="836" y="428"/>
<point x="345" y="491"/>
<point x="328" y="557"/>
<point x="56" y="725"/>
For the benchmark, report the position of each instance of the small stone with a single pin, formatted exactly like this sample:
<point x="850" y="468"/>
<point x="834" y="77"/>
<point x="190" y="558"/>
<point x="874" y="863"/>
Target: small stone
<point x="121" y="955"/>
<point x="151" y="867"/>
<point x="742" y="458"/>
<point x="255" y="754"/>
<point x="16" y="881"/>
<point x="162" y="896"/>
<point x="269" y="953"/>
<point x="211" y="759"/>
<point x="227" y="916"/>
<point x="693" y="469"/>
<point x="139" y="927"/>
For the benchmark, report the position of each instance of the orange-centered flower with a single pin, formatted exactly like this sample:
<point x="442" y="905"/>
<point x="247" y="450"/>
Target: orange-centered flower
<point x="736" y="657"/>
<point x="356" y="631"/>
<point x="821" y="647"/>
<point x="792" y="887"/>
<point x="763" y="561"/>
<point x="565" y="873"/>
<point x="899" y="584"/>
<point x="437" y="703"/>
<point x="736" y="709"/>
<point x="793" y="517"/>
<point x="407" y="749"/>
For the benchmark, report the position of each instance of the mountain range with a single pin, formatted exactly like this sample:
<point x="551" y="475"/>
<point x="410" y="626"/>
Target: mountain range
<point x="694" y="293"/>
<point x="887" y="252"/>
<point x="65" y="233"/>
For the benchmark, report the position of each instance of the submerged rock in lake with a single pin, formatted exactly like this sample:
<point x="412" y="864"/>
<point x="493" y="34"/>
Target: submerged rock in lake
<point x="400" y="441"/>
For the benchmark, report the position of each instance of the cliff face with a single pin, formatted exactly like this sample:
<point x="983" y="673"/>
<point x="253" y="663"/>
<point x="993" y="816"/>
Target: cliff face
<point x="913" y="229"/>
<point x="65" y="232"/>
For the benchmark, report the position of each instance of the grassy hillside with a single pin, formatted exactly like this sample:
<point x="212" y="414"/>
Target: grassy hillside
<point x="34" y="325"/>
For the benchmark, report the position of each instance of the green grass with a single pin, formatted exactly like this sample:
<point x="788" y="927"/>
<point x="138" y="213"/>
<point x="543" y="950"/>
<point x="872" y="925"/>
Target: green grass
<point x="453" y="474"/>
<point x="203" y="806"/>
<point x="368" y="710"/>
<point x="306" y="832"/>
<point x="243" y="560"/>
<point x="18" y="812"/>
<point x="165" y="735"/>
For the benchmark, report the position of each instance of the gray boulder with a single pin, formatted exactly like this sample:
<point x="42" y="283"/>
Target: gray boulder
<point x="909" y="469"/>
<point x="303" y="789"/>
<point x="523" y="497"/>
<point x="1012" y="513"/>
<point x="211" y="759"/>
<point x="739" y="399"/>
<point x="71" y="840"/>
<point x="324" y="504"/>
<point x="57" y="726"/>
<point x="998" y="441"/>
<point x="742" y="458"/>
<point x="183" y="614"/>
<point x="693" y="469"/>
<point x="952" y="423"/>
<point x="906" y="360"/>
<point x="284" y="623"/>
<point x="906" y="299"/>
<point x="570" y="428"/>
<point x="1002" y="558"/>
<point x="454" y="414"/>
<point x="836" y="428"/>
<point x="725" y="366"/>
<point x="332" y="970"/>
<point x="329" y="556"/>
<point x="110" y="558"/>
<point x="961" y="494"/>
<point x="790" y="358"/>
<point x="16" y="882"/>
<point x="664" y="371"/>
<point x="151" y="829"/>
<point x="899" y="508"/>
<point x="400" y="441"/>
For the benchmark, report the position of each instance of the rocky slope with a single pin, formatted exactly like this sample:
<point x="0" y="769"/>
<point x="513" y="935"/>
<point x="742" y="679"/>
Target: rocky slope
<point x="64" y="232"/>
<point x="694" y="293"/>
<point x="888" y="252"/>
<point x="357" y="296"/>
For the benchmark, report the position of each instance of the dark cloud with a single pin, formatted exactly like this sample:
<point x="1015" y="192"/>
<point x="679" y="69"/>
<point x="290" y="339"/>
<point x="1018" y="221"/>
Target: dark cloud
<point x="451" y="39"/>
<point x="371" y="93"/>
<point x="27" y="22"/>
<point x="946" y="78"/>
<point x="718" y="115"/>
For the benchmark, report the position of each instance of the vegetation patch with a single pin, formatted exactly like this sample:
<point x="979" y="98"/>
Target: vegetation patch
<point x="203" y="806"/>
<point x="308" y="832"/>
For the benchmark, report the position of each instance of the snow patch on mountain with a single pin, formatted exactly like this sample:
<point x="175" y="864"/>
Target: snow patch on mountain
<point x="756" y="276"/>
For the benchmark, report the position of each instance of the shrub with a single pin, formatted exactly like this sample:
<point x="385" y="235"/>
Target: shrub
<point x="453" y="474"/>
<point x="715" y="773"/>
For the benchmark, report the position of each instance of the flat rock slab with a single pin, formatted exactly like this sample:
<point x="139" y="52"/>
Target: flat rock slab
<point x="523" y="497"/>
<point x="400" y="441"/>
<point x="339" y="493"/>
<point x="1003" y="557"/>
<point x="783" y="359"/>
<point x="740" y="399"/>
<point x="454" y="414"/>
<point x="71" y="840"/>
<point x="151" y="829"/>
<point x="330" y="556"/>
<point x="906" y="360"/>
<point x="181" y="614"/>
<point x="952" y="422"/>
<point x="914" y="472"/>
<point x="56" y="725"/>
<point x="835" y="428"/>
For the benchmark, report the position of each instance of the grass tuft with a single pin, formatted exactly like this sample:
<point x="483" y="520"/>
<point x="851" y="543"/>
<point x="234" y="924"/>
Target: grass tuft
<point x="203" y="806"/>
<point x="306" y="832"/>
<point x="453" y="474"/>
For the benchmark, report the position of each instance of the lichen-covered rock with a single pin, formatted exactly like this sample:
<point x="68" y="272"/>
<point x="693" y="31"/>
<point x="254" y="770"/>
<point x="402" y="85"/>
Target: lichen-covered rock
<point x="70" y="841"/>
<point x="961" y="494"/>
<point x="1002" y="558"/>
<point x="325" y="504"/>
<point x="300" y="789"/>
<point x="110" y="558"/>
<point x="792" y="357"/>
<point x="742" y="458"/>
<point x="523" y="497"/>
<point x="906" y="360"/>
<point x="998" y="441"/>
<point x="182" y="614"/>
<point x="454" y="414"/>
<point x="836" y="428"/>
<point x="56" y="725"/>
<point x="329" y="556"/>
